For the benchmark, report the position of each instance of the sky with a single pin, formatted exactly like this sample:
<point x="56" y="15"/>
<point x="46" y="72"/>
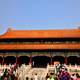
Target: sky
<point x="39" y="14"/>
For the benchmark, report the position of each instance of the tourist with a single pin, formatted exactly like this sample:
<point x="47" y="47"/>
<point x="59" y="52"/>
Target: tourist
<point x="74" y="77"/>
<point x="35" y="77"/>
<point x="47" y="76"/>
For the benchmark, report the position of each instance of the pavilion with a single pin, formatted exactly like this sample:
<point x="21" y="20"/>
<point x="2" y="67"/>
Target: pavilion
<point x="40" y="47"/>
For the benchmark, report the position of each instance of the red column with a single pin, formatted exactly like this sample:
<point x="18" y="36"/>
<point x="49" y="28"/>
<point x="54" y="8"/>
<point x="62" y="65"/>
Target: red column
<point x="16" y="60"/>
<point x="30" y="62"/>
<point x="3" y="61"/>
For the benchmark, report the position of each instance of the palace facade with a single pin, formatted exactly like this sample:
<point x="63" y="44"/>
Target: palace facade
<point x="40" y="47"/>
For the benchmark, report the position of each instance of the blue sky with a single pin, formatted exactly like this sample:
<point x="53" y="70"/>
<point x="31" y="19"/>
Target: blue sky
<point x="39" y="14"/>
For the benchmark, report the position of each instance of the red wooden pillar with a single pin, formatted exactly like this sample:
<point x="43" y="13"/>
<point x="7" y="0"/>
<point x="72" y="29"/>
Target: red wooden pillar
<point x="30" y="62"/>
<point x="3" y="61"/>
<point x="16" y="60"/>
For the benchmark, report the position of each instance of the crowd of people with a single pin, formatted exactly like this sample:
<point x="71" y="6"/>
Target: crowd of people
<point x="8" y="73"/>
<point x="16" y="72"/>
<point x="61" y="73"/>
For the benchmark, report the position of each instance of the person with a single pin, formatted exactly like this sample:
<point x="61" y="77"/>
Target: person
<point x="47" y="76"/>
<point x="67" y="74"/>
<point x="77" y="75"/>
<point x="74" y="77"/>
<point x="5" y="78"/>
<point x="35" y="77"/>
<point x="50" y="78"/>
<point x="26" y="78"/>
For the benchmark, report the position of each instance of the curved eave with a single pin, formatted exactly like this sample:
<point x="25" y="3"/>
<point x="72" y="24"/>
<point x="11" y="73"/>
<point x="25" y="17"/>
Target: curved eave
<point x="72" y="33"/>
<point x="38" y="46"/>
